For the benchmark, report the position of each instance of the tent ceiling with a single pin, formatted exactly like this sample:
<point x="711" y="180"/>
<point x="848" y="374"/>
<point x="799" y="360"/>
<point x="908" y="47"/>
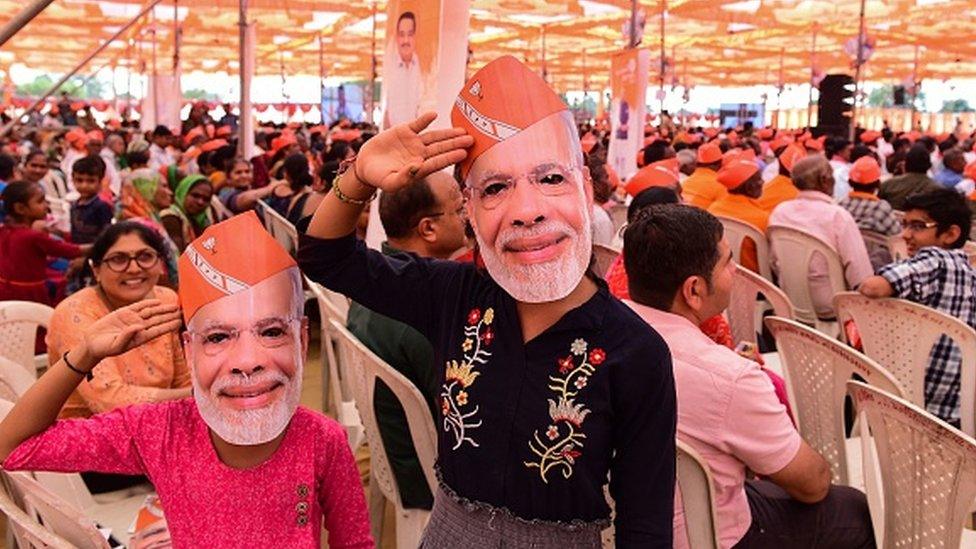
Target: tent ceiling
<point x="731" y="42"/>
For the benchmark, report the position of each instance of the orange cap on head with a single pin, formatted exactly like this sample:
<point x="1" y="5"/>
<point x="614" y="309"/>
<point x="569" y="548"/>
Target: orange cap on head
<point x="213" y="145"/>
<point x="193" y="134"/>
<point x="709" y="153"/>
<point x="228" y="258"/>
<point x="870" y="136"/>
<point x="791" y="155"/>
<point x="95" y="135"/>
<point x="865" y="171"/>
<point x="663" y="173"/>
<point x="76" y="138"/>
<point x="737" y="172"/>
<point x="223" y="131"/>
<point x="284" y="140"/>
<point x="766" y="133"/>
<point x="499" y="101"/>
<point x="780" y="141"/>
<point x="815" y="144"/>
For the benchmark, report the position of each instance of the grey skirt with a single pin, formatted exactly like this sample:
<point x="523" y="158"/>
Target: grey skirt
<point x="463" y="525"/>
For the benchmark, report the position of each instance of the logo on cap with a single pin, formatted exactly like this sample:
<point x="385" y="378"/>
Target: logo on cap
<point x="209" y="245"/>
<point x="495" y="129"/>
<point x="475" y="89"/>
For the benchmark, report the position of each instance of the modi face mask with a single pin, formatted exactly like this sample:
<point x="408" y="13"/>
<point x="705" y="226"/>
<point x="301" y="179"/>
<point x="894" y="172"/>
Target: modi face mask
<point x="242" y="303"/>
<point x="525" y="182"/>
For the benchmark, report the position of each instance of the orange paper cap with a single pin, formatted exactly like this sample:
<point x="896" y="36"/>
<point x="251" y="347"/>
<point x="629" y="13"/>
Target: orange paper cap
<point x="791" y="155"/>
<point x="816" y="144"/>
<point x="780" y="141"/>
<point x="870" y="136"/>
<point x="765" y="133"/>
<point x="228" y="258"/>
<point x="95" y="135"/>
<point x="663" y="173"/>
<point x="213" y="145"/>
<point x="193" y="134"/>
<point x="499" y="101"/>
<point x="709" y="153"/>
<point x="865" y="170"/>
<point x="223" y="131"/>
<point x="737" y="172"/>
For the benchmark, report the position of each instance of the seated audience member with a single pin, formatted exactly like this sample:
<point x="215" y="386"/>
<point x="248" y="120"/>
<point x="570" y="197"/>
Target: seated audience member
<point x="727" y="409"/>
<point x="813" y="211"/>
<point x="602" y="190"/>
<point x="953" y="163"/>
<point x="937" y="274"/>
<point x="190" y="213"/>
<point x="870" y="212"/>
<point x="126" y="262"/>
<point x="295" y="199"/>
<point x="743" y="179"/>
<point x="426" y="219"/>
<point x="238" y="465"/>
<point x="144" y="193"/>
<point x="89" y="213"/>
<point x="780" y="188"/>
<point x="237" y="193"/>
<point x="915" y="179"/>
<point x="24" y="250"/>
<point x="37" y="170"/>
<point x="701" y="188"/>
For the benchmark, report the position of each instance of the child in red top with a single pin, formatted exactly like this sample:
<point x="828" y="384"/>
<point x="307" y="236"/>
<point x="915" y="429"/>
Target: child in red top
<point x="24" y="251"/>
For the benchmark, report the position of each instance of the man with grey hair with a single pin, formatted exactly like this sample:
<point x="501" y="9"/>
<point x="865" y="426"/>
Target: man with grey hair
<point x="813" y="211"/>
<point x="953" y="164"/>
<point x="687" y="161"/>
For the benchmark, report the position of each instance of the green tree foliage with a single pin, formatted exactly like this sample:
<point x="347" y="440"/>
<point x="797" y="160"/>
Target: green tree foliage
<point x="956" y="105"/>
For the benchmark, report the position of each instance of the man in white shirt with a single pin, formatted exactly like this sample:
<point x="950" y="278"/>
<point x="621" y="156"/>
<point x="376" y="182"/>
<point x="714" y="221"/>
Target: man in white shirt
<point x="838" y="150"/>
<point x="814" y="211"/>
<point x="402" y="78"/>
<point x="159" y="155"/>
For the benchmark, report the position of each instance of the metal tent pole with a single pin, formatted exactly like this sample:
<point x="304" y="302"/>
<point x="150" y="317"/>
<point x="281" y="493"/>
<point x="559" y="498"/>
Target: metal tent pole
<point x="6" y="129"/>
<point x="245" y="121"/>
<point x="21" y="19"/>
<point x="857" y="71"/>
<point x="813" y="56"/>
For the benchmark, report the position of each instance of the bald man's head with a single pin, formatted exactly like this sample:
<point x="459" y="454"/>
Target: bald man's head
<point x="813" y="173"/>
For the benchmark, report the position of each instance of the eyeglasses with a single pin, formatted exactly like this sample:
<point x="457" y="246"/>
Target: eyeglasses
<point x="917" y="226"/>
<point x="269" y="333"/>
<point x="458" y="212"/>
<point x="120" y="262"/>
<point x="548" y="179"/>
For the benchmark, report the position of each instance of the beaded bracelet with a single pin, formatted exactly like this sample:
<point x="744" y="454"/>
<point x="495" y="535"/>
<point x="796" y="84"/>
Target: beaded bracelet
<point x="87" y="375"/>
<point x="343" y="197"/>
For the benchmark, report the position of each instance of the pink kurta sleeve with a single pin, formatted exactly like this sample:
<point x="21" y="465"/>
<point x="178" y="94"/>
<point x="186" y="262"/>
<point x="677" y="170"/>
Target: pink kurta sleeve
<point x="104" y="443"/>
<point x="341" y="495"/>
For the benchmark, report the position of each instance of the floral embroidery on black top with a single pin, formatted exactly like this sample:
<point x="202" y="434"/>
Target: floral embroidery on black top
<point x="564" y="436"/>
<point x="458" y="418"/>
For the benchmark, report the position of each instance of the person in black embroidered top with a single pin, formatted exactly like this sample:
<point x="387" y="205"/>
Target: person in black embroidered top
<point x="549" y="384"/>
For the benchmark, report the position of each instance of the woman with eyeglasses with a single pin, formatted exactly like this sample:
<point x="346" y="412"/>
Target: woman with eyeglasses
<point x="126" y="262"/>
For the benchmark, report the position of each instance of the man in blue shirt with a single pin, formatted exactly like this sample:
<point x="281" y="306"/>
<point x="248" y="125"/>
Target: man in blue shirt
<point x="953" y="163"/>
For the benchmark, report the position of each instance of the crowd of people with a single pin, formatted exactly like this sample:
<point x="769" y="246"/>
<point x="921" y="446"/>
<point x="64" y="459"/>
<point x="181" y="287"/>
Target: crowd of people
<point x="547" y="380"/>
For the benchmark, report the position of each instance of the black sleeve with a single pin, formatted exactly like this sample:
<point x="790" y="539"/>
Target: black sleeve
<point x="403" y="287"/>
<point x="643" y="468"/>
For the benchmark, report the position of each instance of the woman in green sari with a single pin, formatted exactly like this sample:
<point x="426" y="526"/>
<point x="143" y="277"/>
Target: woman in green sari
<point x="190" y="213"/>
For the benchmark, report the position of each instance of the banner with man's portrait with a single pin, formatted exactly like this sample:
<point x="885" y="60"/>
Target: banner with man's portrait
<point x="628" y="87"/>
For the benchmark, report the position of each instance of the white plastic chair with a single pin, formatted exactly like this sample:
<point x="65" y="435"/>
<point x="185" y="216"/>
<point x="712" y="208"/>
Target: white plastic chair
<point x="816" y="369"/>
<point x="14" y="380"/>
<point x="744" y="310"/>
<point x="363" y="368"/>
<point x="280" y="228"/>
<point x="24" y="530"/>
<point x="736" y="232"/>
<point x="694" y="479"/>
<point x="927" y="472"/>
<point x="220" y="211"/>
<point x="792" y="251"/>
<point x="19" y="322"/>
<point x="603" y="257"/>
<point x="336" y="396"/>
<point x="900" y="335"/>
<point x="895" y="245"/>
<point x="618" y="215"/>
<point x="58" y="516"/>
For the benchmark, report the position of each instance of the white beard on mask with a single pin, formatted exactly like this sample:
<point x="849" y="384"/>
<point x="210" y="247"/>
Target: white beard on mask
<point x="249" y="427"/>
<point x="539" y="282"/>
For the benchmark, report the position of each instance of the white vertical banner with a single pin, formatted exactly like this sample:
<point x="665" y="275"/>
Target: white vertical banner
<point x="423" y="69"/>
<point x="167" y="88"/>
<point x="246" y="119"/>
<point x="628" y="89"/>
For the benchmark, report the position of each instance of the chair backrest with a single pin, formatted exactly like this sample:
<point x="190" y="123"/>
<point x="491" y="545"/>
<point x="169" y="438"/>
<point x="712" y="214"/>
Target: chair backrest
<point x="19" y="321"/>
<point x="14" y="380"/>
<point x="970" y="248"/>
<point x="60" y="517"/>
<point x="736" y="232"/>
<point x="363" y="368"/>
<point x="895" y="245"/>
<point x="28" y="533"/>
<point x="220" y="211"/>
<point x="744" y="313"/>
<point x="280" y="228"/>
<point x="697" y="497"/>
<point x="793" y="250"/>
<point x="900" y="335"/>
<point x="603" y="257"/>
<point x="816" y="369"/>
<point x="928" y="470"/>
<point x="618" y="214"/>
<point x="332" y="395"/>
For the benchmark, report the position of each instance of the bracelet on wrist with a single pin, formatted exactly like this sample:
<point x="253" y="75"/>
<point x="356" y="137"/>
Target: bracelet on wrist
<point x="343" y="197"/>
<point x="87" y="375"/>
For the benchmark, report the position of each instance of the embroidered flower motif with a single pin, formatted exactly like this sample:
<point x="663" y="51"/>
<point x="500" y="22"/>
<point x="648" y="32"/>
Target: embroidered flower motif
<point x="578" y="347"/>
<point x="564" y="445"/>
<point x="597" y="356"/>
<point x="459" y="414"/>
